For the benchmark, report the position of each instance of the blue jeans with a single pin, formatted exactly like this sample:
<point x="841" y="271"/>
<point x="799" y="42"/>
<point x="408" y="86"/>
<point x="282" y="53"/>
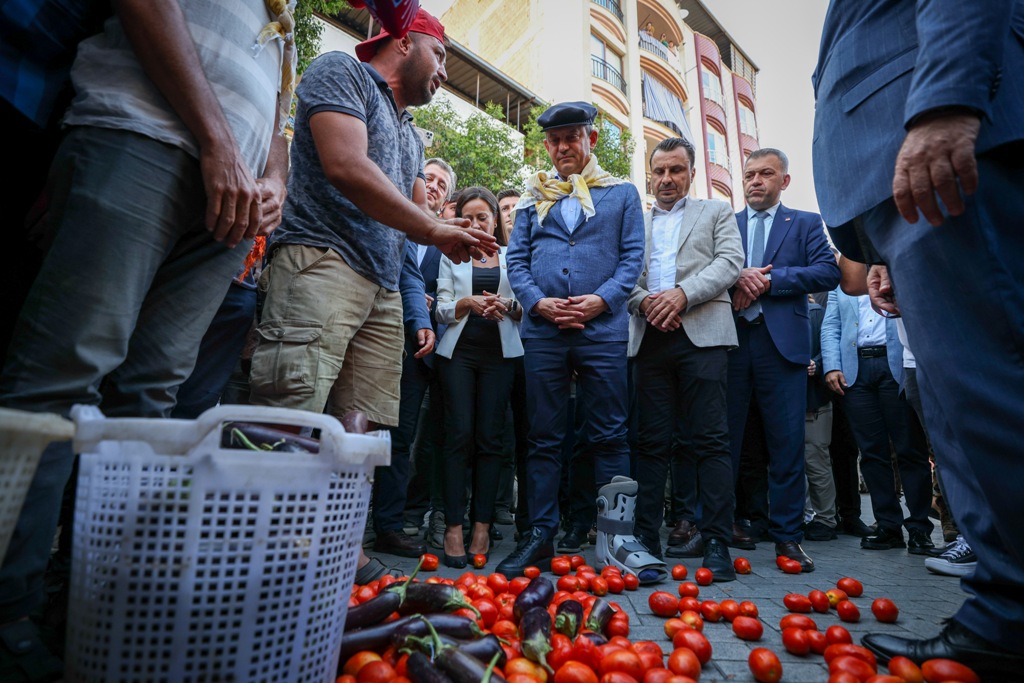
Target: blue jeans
<point x="960" y="288"/>
<point x="126" y="292"/>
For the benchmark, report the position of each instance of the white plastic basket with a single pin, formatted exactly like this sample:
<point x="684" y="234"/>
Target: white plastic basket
<point x="23" y="436"/>
<point x="192" y="562"/>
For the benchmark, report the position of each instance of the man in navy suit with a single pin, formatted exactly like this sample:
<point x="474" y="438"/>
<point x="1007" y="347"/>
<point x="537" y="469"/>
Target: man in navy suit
<point x="787" y="258"/>
<point x="924" y="101"/>
<point x="576" y="252"/>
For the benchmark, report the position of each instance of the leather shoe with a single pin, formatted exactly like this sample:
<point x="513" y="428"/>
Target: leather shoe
<point x="819" y="531"/>
<point x="955" y="642"/>
<point x="535" y="549"/>
<point x="793" y="551"/>
<point x="397" y="543"/>
<point x="717" y="559"/>
<point x="918" y="543"/>
<point x="572" y="541"/>
<point x="682" y="532"/>
<point x="740" y="539"/>
<point x="855" y="527"/>
<point x="694" y="547"/>
<point x="883" y="539"/>
<point x="455" y="561"/>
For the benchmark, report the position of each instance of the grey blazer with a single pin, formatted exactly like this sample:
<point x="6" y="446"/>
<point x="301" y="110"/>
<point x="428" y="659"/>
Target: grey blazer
<point x="708" y="263"/>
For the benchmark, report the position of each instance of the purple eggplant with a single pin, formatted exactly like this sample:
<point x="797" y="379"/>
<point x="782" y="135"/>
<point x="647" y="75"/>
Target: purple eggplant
<point x="601" y="612"/>
<point x="453" y="625"/>
<point x="381" y="635"/>
<point x="596" y="638"/>
<point x="261" y="437"/>
<point x="535" y="629"/>
<point x="420" y="669"/>
<point x="465" y="668"/>
<point x="569" y="618"/>
<point x="537" y="594"/>
<point x="427" y="598"/>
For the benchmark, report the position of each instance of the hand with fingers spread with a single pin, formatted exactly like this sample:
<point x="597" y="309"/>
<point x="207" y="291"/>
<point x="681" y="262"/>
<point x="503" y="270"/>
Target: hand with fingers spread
<point x="458" y="241"/>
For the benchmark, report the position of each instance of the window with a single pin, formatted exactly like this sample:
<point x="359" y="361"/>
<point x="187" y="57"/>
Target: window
<point x="604" y="53"/>
<point x="748" y="124"/>
<point x="611" y="132"/>
<point x="711" y="85"/>
<point x="718" y="152"/>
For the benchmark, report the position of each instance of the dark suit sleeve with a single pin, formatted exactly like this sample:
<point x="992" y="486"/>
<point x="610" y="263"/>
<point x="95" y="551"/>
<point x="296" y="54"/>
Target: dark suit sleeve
<point x="821" y="273"/>
<point x="617" y="288"/>
<point x="517" y="260"/>
<point x="414" y="298"/>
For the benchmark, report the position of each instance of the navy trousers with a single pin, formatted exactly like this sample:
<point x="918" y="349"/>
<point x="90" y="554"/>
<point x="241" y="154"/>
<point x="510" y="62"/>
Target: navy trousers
<point x="601" y="390"/>
<point x="961" y="292"/>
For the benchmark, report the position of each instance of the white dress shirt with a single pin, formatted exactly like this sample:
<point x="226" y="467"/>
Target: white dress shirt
<point x="769" y="219"/>
<point x="570" y="207"/>
<point x="665" y="226"/>
<point x="871" y="325"/>
<point x="421" y="250"/>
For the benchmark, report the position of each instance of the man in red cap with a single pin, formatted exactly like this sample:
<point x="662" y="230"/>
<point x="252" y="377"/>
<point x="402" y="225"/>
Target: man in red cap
<point x="330" y="331"/>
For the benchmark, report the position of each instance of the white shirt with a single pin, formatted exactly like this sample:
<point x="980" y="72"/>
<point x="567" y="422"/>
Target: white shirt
<point x="769" y="219"/>
<point x="570" y="207"/>
<point x="908" y="356"/>
<point x="421" y="251"/>
<point x="871" y="325"/>
<point x="665" y="226"/>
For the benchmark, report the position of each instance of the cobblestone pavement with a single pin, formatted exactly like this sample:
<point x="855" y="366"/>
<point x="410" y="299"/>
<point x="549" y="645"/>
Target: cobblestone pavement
<point x="924" y="599"/>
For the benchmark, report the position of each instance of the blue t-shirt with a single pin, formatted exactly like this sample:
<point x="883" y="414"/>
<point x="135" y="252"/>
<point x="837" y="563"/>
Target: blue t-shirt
<point x="316" y="213"/>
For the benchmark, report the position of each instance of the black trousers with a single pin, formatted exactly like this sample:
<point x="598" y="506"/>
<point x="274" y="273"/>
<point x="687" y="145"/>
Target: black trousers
<point x="677" y="381"/>
<point x="477" y="384"/>
<point x="844" y="452"/>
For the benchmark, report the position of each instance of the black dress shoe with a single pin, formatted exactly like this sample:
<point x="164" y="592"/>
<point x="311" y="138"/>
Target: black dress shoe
<point x="855" y="527"/>
<point x="495" y="533"/>
<point x="682" y="532"/>
<point x="793" y="551"/>
<point x="572" y="541"/>
<point x="398" y="543"/>
<point x="455" y="561"/>
<point x="883" y="539"/>
<point x="717" y="559"/>
<point x="535" y="549"/>
<point x="694" y="547"/>
<point x="956" y="642"/>
<point x="918" y="543"/>
<point x="819" y="531"/>
<point x="742" y="539"/>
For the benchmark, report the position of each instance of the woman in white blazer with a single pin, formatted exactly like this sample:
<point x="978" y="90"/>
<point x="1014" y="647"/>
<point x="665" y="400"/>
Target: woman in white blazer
<point x="476" y="367"/>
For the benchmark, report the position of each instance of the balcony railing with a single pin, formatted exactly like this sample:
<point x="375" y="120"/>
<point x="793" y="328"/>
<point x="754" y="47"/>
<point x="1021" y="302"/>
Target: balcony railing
<point x="606" y="72"/>
<point x="647" y="42"/>
<point x="719" y="157"/>
<point x="612" y="6"/>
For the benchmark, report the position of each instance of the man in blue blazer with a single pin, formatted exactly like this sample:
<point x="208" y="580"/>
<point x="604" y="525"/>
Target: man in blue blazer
<point x="923" y="101"/>
<point x="787" y="258"/>
<point x="576" y="252"/>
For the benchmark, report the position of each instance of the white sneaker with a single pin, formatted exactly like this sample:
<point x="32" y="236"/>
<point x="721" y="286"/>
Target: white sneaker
<point x="958" y="559"/>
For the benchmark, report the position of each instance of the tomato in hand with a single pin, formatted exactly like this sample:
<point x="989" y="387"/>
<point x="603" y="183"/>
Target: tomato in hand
<point x="679" y="572"/>
<point x="741" y="565"/>
<point x="848" y="611"/>
<point x="663" y="604"/>
<point x="885" y="610"/>
<point x="852" y="587"/>
<point x="765" y="665"/>
<point x="747" y="628"/>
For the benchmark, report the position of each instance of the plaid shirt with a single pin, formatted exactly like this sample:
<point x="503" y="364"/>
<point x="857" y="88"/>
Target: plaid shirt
<point x="38" y="39"/>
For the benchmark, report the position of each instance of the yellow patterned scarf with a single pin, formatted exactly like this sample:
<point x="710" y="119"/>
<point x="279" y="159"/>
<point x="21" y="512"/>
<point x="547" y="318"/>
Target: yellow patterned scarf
<point x="283" y="29"/>
<point x="544" y="189"/>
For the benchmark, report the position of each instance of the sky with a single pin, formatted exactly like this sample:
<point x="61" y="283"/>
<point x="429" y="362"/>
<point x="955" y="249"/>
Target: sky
<point x="781" y="37"/>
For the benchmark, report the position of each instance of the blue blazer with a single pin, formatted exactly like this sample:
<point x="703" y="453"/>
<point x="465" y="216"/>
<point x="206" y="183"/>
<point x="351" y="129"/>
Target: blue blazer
<point x="410" y="283"/>
<point x="603" y="255"/>
<point x="883" y="62"/>
<point x="802" y="263"/>
<point x="839" y="338"/>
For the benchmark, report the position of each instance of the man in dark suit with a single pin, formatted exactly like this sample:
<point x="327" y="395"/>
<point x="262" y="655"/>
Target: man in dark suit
<point x="925" y="101"/>
<point x="576" y="252"/>
<point x="787" y="258"/>
<point x="680" y="333"/>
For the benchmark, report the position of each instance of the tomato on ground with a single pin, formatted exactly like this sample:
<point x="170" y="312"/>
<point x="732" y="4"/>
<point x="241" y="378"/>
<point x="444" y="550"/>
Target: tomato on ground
<point x="531" y="572"/>
<point x="848" y="611"/>
<point x="684" y="662"/>
<point x="852" y="587"/>
<point x="851" y="665"/>
<point x="730" y="609"/>
<point x="948" y="670"/>
<point x="695" y="641"/>
<point x="704" y="576"/>
<point x="689" y="590"/>
<point x="885" y="610"/>
<point x="663" y="604"/>
<point x="797" y="602"/>
<point x="748" y="609"/>
<point x="819" y="601"/>
<point x="765" y="665"/>
<point x="679" y="572"/>
<point x="837" y="634"/>
<point x="795" y="641"/>
<point x="741" y="565"/>
<point x="429" y="562"/>
<point x="630" y="581"/>
<point x="799" y="621"/>
<point x="575" y="672"/>
<point x="560" y="566"/>
<point x="817" y="640"/>
<point x="747" y="628"/>
<point x="905" y="669"/>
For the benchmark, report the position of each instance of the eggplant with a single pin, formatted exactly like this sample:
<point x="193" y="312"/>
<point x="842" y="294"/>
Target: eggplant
<point x="535" y="628"/>
<point x="420" y="669"/>
<point x="601" y="612"/>
<point x="537" y="594"/>
<point x="261" y="437"/>
<point x="596" y="638"/>
<point x="569" y="618"/>
<point x="452" y="625"/>
<point x="465" y="668"/>
<point x="427" y="598"/>
<point x="373" y="611"/>
<point x="370" y="638"/>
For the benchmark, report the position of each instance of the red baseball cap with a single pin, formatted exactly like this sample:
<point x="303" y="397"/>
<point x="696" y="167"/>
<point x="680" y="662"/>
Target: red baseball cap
<point x="422" y="23"/>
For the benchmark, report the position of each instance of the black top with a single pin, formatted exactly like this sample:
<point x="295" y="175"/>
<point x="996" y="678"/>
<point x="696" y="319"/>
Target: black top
<point x="479" y="331"/>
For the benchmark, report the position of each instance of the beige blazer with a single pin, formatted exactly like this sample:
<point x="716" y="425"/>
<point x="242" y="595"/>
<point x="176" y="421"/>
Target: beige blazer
<point x="708" y="263"/>
<point x="454" y="281"/>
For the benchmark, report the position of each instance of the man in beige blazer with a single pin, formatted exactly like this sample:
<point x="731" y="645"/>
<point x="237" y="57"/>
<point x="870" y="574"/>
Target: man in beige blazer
<point x="681" y="328"/>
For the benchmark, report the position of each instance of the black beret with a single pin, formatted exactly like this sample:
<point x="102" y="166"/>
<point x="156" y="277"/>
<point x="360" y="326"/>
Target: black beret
<point x="567" y="114"/>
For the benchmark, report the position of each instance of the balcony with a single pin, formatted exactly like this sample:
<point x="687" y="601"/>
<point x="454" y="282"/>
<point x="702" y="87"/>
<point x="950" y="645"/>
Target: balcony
<point x="612" y="6"/>
<point x="648" y="42"/>
<point x="606" y="72"/>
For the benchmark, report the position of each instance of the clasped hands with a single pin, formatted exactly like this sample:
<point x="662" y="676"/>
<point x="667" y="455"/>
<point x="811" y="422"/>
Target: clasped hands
<point x="663" y="309"/>
<point x="572" y="313"/>
<point x="751" y="284"/>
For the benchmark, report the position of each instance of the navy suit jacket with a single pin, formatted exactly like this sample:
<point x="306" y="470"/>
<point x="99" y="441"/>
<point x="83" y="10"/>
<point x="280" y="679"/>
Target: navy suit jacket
<point x="884" y="62"/>
<point x="427" y="274"/>
<point x="802" y="263"/>
<point x="603" y="255"/>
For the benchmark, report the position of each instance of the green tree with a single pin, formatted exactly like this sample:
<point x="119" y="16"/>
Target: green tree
<point x="482" y="148"/>
<point x="308" y="30"/>
<point x="614" y="148"/>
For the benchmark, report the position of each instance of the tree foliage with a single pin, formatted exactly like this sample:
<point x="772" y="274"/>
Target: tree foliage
<point x="308" y="30"/>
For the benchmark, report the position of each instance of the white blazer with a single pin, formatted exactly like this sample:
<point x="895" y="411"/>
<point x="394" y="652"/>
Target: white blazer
<point x="455" y="281"/>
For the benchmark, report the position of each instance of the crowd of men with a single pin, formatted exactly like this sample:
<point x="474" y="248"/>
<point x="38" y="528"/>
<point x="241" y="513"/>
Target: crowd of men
<point x="703" y="327"/>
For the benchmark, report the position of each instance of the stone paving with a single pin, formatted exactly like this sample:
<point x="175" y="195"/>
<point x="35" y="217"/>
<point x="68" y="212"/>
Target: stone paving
<point x="924" y="599"/>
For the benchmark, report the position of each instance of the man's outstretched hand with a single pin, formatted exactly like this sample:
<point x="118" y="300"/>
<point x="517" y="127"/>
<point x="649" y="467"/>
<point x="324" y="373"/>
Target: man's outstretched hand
<point x="459" y="242"/>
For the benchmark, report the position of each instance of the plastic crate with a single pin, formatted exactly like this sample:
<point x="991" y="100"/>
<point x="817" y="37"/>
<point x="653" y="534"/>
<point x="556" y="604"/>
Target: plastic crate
<point x="193" y="562"/>
<point x="23" y="436"/>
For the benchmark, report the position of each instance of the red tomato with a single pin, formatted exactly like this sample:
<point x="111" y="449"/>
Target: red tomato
<point x="345" y="678"/>
<point x="663" y="604"/>
<point x="730" y="609"/>
<point x="843" y="677"/>
<point x="795" y="641"/>
<point x="850" y="650"/>
<point x="516" y="585"/>
<point x="575" y="672"/>
<point x="935" y="670"/>
<point x="480" y="590"/>
<point x="616" y="584"/>
<point x="376" y="672"/>
<point x="747" y="628"/>
<point x="505" y="629"/>
<point x="688" y="603"/>
<point x="561" y="651"/>
<point x="625" y="661"/>
<point x="531" y="572"/>
<point x="905" y="669"/>
<point x="618" y="625"/>
<point x="584" y="650"/>
<point x="479" y="560"/>
<point x="704" y="576"/>
<point x="885" y="610"/>
<point x="791" y="567"/>
<point x="695" y="641"/>
<point x="488" y="611"/>
<point x="848" y="611"/>
<point x="851" y="665"/>
<point x="679" y="572"/>
<point x="835" y="596"/>
<point x="882" y="678"/>
<point x="357" y="661"/>
<point x="765" y="665"/>
<point x="618" y="677"/>
<point x="741" y="565"/>
<point x="599" y="586"/>
<point x="584" y="580"/>
<point x="799" y="621"/>
<point x="689" y="589"/>
<point x="684" y="662"/>
<point x="710" y="610"/>
<point x="577" y="561"/>
<point x="838" y="634"/>
<point x="748" y="609"/>
<point x="630" y="581"/>
<point x="797" y="602"/>
<point x="560" y="565"/>
<point x="647" y="646"/>
<point x="818" y="641"/>
<point x="852" y="587"/>
<point x="819" y="601"/>
<point x="568" y="582"/>
<point x="674" y="625"/>
<point x="693" y="619"/>
<point x="523" y="666"/>
<point x="498" y="583"/>
<point x="657" y="675"/>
